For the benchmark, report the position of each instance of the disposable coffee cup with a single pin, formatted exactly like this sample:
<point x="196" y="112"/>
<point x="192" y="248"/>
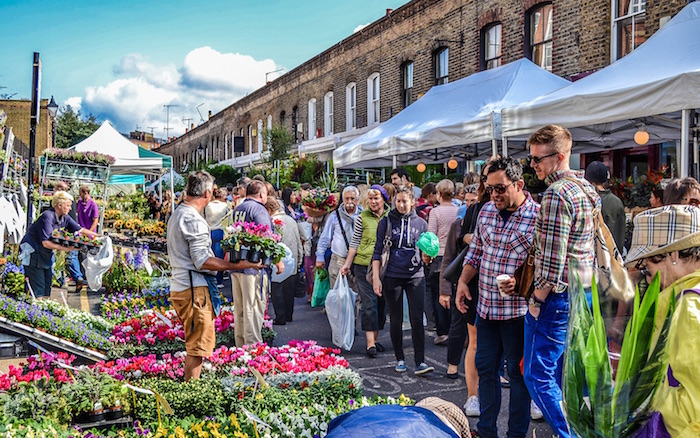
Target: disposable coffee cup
<point x="500" y="279"/>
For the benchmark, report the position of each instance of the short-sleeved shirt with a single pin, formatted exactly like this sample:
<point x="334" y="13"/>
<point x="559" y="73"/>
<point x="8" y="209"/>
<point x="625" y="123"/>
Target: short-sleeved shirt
<point x="87" y="212"/>
<point x="41" y="231"/>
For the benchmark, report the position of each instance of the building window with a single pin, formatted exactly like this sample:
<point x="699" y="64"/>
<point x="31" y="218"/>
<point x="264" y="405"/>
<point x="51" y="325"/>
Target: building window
<point x="540" y="35"/>
<point x="242" y="135"/>
<point x="283" y="118"/>
<point x="260" y="135"/>
<point x="350" y="106"/>
<point x="373" y="99"/>
<point x="250" y="140"/>
<point x="328" y="113"/>
<point x="226" y="146"/>
<point x="312" y="119"/>
<point x="442" y="64"/>
<point x="407" y="83"/>
<point x="491" y="48"/>
<point x="629" y="29"/>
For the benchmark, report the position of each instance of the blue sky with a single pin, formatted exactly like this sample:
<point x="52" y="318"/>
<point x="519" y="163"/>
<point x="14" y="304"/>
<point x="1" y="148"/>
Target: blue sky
<point x="124" y="60"/>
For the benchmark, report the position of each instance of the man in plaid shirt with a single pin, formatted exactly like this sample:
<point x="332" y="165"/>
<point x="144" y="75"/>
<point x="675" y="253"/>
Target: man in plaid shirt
<point x="502" y="238"/>
<point x="564" y="234"/>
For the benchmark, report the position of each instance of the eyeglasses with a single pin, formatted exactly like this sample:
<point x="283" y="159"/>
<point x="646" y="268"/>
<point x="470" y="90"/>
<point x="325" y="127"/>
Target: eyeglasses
<point x="500" y="189"/>
<point x="641" y="266"/>
<point x="531" y="158"/>
<point x="484" y="178"/>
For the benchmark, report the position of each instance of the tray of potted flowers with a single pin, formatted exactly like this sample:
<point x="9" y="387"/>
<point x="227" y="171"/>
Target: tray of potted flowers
<point x="318" y="202"/>
<point x="253" y="242"/>
<point x="68" y="239"/>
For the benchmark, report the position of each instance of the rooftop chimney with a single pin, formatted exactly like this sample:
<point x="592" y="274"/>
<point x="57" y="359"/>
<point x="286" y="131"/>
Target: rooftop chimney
<point x="192" y="126"/>
<point x="389" y="11"/>
<point x="210" y="114"/>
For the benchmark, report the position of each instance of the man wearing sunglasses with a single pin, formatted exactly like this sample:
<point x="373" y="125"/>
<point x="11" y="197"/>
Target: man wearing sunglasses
<point x="564" y="236"/>
<point x="502" y="238"/>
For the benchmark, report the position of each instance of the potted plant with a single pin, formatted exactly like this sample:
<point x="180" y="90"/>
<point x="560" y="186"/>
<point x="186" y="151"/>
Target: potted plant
<point x="114" y="399"/>
<point x="85" y="395"/>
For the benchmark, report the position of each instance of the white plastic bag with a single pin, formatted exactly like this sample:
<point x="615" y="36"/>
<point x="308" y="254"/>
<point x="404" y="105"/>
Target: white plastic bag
<point x="97" y="264"/>
<point x="340" y="309"/>
<point x="289" y="266"/>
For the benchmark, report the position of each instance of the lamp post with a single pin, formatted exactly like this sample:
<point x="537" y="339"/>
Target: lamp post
<point x="52" y="107"/>
<point x="200" y="151"/>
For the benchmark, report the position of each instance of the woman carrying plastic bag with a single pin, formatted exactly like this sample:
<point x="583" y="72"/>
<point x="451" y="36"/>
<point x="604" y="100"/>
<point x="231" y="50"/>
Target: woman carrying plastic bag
<point x="340" y="309"/>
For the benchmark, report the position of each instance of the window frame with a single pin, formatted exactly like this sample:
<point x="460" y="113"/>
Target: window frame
<point x="618" y="24"/>
<point x="351" y="106"/>
<point x="407" y="83"/>
<point x="438" y="63"/>
<point x="328" y="114"/>
<point x="312" y="118"/>
<point x="484" y="43"/>
<point x="547" y="44"/>
<point x="374" y="99"/>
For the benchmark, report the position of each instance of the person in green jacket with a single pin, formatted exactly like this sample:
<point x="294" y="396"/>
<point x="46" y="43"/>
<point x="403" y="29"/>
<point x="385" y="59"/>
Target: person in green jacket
<point x="364" y="236"/>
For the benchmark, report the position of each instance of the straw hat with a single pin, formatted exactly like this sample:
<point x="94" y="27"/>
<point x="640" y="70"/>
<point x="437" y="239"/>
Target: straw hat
<point x="663" y="230"/>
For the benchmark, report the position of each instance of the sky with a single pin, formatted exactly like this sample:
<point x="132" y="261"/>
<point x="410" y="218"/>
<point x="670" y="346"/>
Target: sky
<point x="123" y="61"/>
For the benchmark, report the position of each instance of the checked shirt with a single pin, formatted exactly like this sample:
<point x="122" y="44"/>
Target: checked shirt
<point x="564" y="232"/>
<point x="500" y="247"/>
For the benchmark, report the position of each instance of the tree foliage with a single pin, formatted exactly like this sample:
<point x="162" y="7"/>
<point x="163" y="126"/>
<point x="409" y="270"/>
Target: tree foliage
<point x="279" y="140"/>
<point x="72" y="127"/>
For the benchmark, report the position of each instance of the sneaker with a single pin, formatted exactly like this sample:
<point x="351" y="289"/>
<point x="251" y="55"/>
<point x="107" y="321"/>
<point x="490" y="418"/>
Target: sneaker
<point x="440" y="340"/>
<point x="535" y="412"/>
<point x="423" y="368"/>
<point x="400" y="366"/>
<point x="472" y="407"/>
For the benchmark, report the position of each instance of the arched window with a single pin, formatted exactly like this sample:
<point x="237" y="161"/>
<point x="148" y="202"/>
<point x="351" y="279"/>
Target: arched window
<point x="373" y="106"/>
<point x="407" y="83"/>
<point x="226" y="146"/>
<point x="312" y="119"/>
<point x="442" y="66"/>
<point x="350" y="106"/>
<point x="328" y="114"/>
<point x="260" y="135"/>
<point x="539" y="32"/>
<point x="250" y="140"/>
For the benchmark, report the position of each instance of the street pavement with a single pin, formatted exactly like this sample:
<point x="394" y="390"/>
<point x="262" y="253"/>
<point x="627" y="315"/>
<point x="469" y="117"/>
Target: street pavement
<point x="378" y="374"/>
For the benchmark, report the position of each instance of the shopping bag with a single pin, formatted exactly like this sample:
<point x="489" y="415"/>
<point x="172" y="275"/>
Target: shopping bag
<point x="321" y="287"/>
<point x="289" y="266"/>
<point x="96" y="265"/>
<point x="340" y="309"/>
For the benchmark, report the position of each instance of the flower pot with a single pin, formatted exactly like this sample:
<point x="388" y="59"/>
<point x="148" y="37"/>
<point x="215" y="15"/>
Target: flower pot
<point x="254" y="256"/>
<point x="83" y="417"/>
<point x="234" y="255"/>
<point x="244" y="253"/>
<point x="114" y="413"/>
<point x="267" y="260"/>
<point x="95" y="416"/>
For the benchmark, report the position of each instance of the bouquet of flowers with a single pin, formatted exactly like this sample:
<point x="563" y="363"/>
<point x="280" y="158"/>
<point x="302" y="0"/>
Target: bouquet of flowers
<point x="318" y="202"/>
<point x="79" y="157"/>
<point x="253" y="242"/>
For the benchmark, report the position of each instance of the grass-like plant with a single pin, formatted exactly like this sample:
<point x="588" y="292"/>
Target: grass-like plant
<point x="597" y="406"/>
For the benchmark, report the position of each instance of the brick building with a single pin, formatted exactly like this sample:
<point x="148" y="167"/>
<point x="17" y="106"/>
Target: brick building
<point x="373" y="74"/>
<point x="19" y="119"/>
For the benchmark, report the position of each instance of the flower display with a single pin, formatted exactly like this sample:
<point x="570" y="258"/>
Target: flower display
<point x="79" y="157"/>
<point x="118" y="307"/>
<point x="318" y="202"/>
<point x="13" y="279"/>
<point x="254" y="238"/>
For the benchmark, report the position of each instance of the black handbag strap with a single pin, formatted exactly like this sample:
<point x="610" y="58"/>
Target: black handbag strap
<point x="342" y="230"/>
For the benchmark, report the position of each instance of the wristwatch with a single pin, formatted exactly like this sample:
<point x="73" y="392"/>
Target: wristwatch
<point x="534" y="302"/>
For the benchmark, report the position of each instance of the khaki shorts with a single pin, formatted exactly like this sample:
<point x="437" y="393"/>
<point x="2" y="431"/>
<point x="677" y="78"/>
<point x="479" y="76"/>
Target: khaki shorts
<point x="201" y="341"/>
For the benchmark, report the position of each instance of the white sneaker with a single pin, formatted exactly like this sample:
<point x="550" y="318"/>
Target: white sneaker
<point x="472" y="407"/>
<point x="535" y="412"/>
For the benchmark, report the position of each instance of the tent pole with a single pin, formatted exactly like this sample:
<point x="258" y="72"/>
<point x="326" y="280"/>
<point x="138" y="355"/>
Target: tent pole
<point x="494" y="148"/>
<point x="172" y="190"/>
<point x="696" y="153"/>
<point x="394" y="162"/>
<point x="504" y="141"/>
<point x="684" y="147"/>
<point x="160" y="188"/>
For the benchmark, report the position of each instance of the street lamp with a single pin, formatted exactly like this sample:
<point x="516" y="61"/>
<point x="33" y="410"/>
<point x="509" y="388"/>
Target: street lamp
<point x="200" y="152"/>
<point x="52" y="107"/>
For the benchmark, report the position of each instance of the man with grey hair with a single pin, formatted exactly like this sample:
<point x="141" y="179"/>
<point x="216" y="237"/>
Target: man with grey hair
<point x="193" y="290"/>
<point x="337" y="233"/>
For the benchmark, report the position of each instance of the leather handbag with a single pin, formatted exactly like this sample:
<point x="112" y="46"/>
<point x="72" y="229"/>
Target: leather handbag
<point x="525" y="275"/>
<point x="454" y="269"/>
<point x="386" y="252"/>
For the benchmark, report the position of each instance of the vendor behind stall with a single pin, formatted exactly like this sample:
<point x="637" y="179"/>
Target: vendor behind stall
<point x="37" y="249"/>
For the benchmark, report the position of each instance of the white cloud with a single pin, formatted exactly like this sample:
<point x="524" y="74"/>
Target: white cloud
<point x="76" y="103"/>
<point x="360" y="27"/>
<point x="137" y="95"/>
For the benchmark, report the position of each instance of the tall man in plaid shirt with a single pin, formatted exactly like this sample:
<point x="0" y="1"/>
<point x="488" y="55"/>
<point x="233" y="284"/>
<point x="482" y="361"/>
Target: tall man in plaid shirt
<point x="564" y="234"/>
<point x="502" y="238"/>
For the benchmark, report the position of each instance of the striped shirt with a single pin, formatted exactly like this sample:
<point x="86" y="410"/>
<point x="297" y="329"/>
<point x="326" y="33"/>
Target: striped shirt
<point x="500" y="247"/>
<point x="440" y="221"/>
<point x="564" y="232"/>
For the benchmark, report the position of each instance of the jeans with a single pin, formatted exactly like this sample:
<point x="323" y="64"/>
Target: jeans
<point x="283" y="299"/>
<point x="458" y="334"/>
<point x="392" y="290"/>
<point x="373" y="309"/>
<point x="216" y="237"/>
<point x="73" y="266"/>
<point x="442" y="315"/>
<point x="545" y="340"/>
<point x="39" y="279"/>
<point x="495" y="340"/>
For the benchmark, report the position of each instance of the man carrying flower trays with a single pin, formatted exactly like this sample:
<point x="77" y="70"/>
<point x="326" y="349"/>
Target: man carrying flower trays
<point x="193" y="290"/>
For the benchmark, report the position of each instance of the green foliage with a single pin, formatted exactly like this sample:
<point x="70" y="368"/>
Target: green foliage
<point x="279" y="140"/>
<point x="88" y="390"/>
<point x="223" y="174"/>
<point x="307" y="170"/>
<point x="72" y="127"/>
<point x="37" y="400"/>
<point x="329" y="182"/>
<point x="612" y="410"/>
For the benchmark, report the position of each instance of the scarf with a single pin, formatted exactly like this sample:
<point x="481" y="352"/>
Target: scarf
<point x="347" y="220"/>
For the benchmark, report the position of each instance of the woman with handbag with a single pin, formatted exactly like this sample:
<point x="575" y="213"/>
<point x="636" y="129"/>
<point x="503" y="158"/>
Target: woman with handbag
<point x="402" y="266"/>
<point x="364" y="236"/>
<point x="458" y="241"/>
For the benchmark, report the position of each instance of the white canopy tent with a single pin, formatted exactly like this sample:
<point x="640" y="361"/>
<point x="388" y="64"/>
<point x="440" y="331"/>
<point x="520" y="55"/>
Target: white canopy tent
<point x="652" y="88"/>
<point x="460" y="119"/>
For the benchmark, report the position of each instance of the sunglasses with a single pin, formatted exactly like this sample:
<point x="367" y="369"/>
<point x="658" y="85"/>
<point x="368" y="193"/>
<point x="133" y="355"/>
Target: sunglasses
<point x="531" y="158"/>
<point x="500" y="189"/>
<point x="641" y="266"/>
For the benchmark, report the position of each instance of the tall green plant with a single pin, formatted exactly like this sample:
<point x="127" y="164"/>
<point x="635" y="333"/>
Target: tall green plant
<point x="613" y="410"/>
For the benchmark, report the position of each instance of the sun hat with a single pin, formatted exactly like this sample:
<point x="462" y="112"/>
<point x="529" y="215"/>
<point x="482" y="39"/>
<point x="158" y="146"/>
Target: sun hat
<point x="663" y="230"/>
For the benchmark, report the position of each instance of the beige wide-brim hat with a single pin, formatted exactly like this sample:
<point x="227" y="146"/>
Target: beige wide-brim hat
<point x="663" y="230"/>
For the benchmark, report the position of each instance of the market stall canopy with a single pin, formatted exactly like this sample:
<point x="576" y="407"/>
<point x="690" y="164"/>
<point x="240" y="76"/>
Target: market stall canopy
<point x="646" y="89"/>
<point x="165" y="180"/>
<point x="463" y="116"/>
<point x="131" y="161"/>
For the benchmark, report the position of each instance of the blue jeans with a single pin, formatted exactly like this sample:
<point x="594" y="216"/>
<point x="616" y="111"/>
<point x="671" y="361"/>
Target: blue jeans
<point x="496" y="340"/>
<point x="545" y="340"/>
<point x="216" y="237"/>
<point x="73" y="266"/>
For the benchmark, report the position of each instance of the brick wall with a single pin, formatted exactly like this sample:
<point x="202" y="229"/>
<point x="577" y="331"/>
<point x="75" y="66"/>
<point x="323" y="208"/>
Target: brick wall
<point x="19" y="119"/>
<point x="413" y="32"/>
